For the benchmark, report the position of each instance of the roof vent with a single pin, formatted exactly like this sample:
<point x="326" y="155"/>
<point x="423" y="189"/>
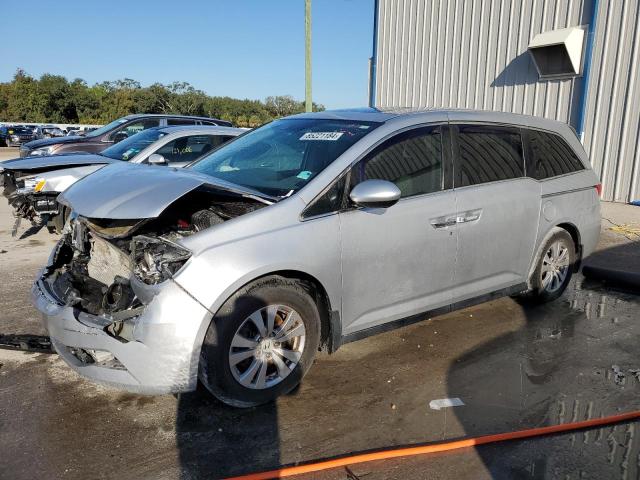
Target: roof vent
<point x="558" y="53"/>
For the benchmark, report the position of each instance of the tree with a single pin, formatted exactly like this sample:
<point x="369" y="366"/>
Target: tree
<point x="52" y="98"/>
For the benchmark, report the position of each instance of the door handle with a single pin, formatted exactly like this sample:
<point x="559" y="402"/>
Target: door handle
<point x="451" y="220"/>
<point x="444" y="222"/>
<point x="470" y="216"/>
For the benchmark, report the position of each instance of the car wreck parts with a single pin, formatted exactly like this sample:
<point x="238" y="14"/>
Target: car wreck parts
<point x="106" y="268"/>
<point x="24" y="196"/>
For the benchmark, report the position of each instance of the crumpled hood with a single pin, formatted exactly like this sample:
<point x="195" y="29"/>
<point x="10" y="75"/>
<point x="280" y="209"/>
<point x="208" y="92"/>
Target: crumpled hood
<point x="45" y="142"/>
<point x="54" y="161"/>
<point x="132" y="191"/>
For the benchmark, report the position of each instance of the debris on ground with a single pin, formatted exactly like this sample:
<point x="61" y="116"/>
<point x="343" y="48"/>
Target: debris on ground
<point x="26" y="343"/>
<point x="445" y="403"/>
<point x="625" y="229"/>
<point x="618" y="375"/>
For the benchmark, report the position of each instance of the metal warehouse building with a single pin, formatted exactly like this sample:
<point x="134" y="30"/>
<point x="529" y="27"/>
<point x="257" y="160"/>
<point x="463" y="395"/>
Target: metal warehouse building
<point x="572" y="60"/>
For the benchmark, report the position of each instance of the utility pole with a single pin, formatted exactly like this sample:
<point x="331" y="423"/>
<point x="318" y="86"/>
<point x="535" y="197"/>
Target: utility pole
<point x="308" y="102"/>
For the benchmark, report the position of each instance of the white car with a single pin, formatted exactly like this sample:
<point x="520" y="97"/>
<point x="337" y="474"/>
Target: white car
<point x="33" y="184"/>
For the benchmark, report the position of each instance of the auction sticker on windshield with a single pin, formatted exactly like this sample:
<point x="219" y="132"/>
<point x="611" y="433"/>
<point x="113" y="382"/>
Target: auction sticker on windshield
<point x="327" y="136"/>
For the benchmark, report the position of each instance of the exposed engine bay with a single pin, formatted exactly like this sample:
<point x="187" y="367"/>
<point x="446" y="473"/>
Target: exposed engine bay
<point x="97" y="259"/>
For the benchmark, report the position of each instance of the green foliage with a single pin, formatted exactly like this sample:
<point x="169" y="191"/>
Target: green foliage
<point x="52" y="98"/>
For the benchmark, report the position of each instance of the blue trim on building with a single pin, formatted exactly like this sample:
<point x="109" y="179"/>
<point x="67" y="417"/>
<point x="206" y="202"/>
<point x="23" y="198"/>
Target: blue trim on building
<point x="374" y="57"/>
<point x="587" y="68"/>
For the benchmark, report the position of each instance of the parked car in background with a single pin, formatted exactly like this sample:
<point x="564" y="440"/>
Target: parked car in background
<point x="47" y="131"/>
<point x="33" y="184"/>
<point x="114" y="132"/>
<point x="306" y="233"/>
<point x="13" y="136"/>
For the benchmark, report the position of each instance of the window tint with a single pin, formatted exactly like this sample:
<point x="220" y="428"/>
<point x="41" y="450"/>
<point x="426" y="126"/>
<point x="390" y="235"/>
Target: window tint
<point x="180" y="121"/>
<point x="550" y="156"/>
<point x="487" y="154"/>
<point x="330" y="201"/>
<point x="187" y="149"/>
<point x="412" y="160"/>
<point x="137" y="127"/>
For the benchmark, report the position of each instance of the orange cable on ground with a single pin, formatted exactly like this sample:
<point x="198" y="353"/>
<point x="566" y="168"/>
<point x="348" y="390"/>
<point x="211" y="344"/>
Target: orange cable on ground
<point x="435" y="447"/>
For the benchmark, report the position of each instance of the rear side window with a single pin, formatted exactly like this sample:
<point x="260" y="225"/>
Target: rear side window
<point x="412" y="160"/>
<point x="136" y="127"/>
<point x="180" y="121"/>
<point x="488" y="154"/>
<point x="550" y="156"/>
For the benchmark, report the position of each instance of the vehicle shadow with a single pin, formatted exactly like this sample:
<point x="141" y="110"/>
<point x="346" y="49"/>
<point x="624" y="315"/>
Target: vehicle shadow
<point x="572" y="359"/>
<point x="215" y="440"/>
<point x="30" y="231"/>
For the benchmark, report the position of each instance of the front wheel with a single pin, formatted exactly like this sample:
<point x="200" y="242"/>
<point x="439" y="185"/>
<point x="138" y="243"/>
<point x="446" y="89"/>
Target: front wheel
<point x="261" y="342"/>
<point x="554" y="268"/>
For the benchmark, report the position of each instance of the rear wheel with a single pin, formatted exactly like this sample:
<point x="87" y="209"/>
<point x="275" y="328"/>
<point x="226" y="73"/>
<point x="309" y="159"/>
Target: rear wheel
<point x="554" y="268"/>
<point x="261" y="342"/>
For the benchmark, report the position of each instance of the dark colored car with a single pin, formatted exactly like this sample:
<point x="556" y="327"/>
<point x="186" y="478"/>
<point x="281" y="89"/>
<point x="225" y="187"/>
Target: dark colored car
<point x="15" y="135"/>
<point x="101" y="138"/>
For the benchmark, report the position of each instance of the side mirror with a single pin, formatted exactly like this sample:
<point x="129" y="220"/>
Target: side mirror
<point x="157" y="159"/>
<point x="118" y="137"/>
<point x="375" y="193"/>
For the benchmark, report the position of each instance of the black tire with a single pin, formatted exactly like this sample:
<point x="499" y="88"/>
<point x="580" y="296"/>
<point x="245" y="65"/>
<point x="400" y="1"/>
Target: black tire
<point x="214" y="367"/>
<point x="540" y="290"/>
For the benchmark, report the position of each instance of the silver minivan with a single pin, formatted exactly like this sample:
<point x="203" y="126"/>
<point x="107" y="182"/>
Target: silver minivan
<point x="308" y="233"/>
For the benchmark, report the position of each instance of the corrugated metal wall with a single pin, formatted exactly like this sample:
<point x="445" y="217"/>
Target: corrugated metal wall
<point x="612" y="129"/>
<point x="473" y="54"/>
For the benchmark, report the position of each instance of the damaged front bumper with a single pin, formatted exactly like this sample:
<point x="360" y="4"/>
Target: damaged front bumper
<point x="160" y="357"/>
<point x="32" y="205"/>
<point x="40" y="208"/>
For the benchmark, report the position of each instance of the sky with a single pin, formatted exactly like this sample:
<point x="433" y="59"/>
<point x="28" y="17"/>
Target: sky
<point x="240" y="48"/>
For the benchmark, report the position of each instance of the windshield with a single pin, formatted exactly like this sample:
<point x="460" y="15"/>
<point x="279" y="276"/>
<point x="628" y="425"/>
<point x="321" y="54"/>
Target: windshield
<point x="132" y="146"/>
<point x="283" y="156"/>
<point x="106" y="128"/>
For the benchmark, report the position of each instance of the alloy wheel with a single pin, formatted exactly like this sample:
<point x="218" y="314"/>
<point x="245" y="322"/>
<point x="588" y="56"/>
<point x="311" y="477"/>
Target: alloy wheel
<point x="267" y="347"/>
<point x="555" y="266"/>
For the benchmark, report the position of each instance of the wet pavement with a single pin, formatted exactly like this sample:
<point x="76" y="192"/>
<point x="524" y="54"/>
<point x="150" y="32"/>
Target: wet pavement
<point x="514" y="366"/>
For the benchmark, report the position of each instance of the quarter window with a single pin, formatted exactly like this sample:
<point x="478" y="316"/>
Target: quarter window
<point x="550" y="156"/>
<point x="412" y="160"/>
<point x="330" y="201"/>
<point x="488" y="154"/>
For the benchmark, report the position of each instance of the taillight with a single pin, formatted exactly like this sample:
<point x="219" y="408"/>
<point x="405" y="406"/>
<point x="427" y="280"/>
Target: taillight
<point x="599" y="189"/>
